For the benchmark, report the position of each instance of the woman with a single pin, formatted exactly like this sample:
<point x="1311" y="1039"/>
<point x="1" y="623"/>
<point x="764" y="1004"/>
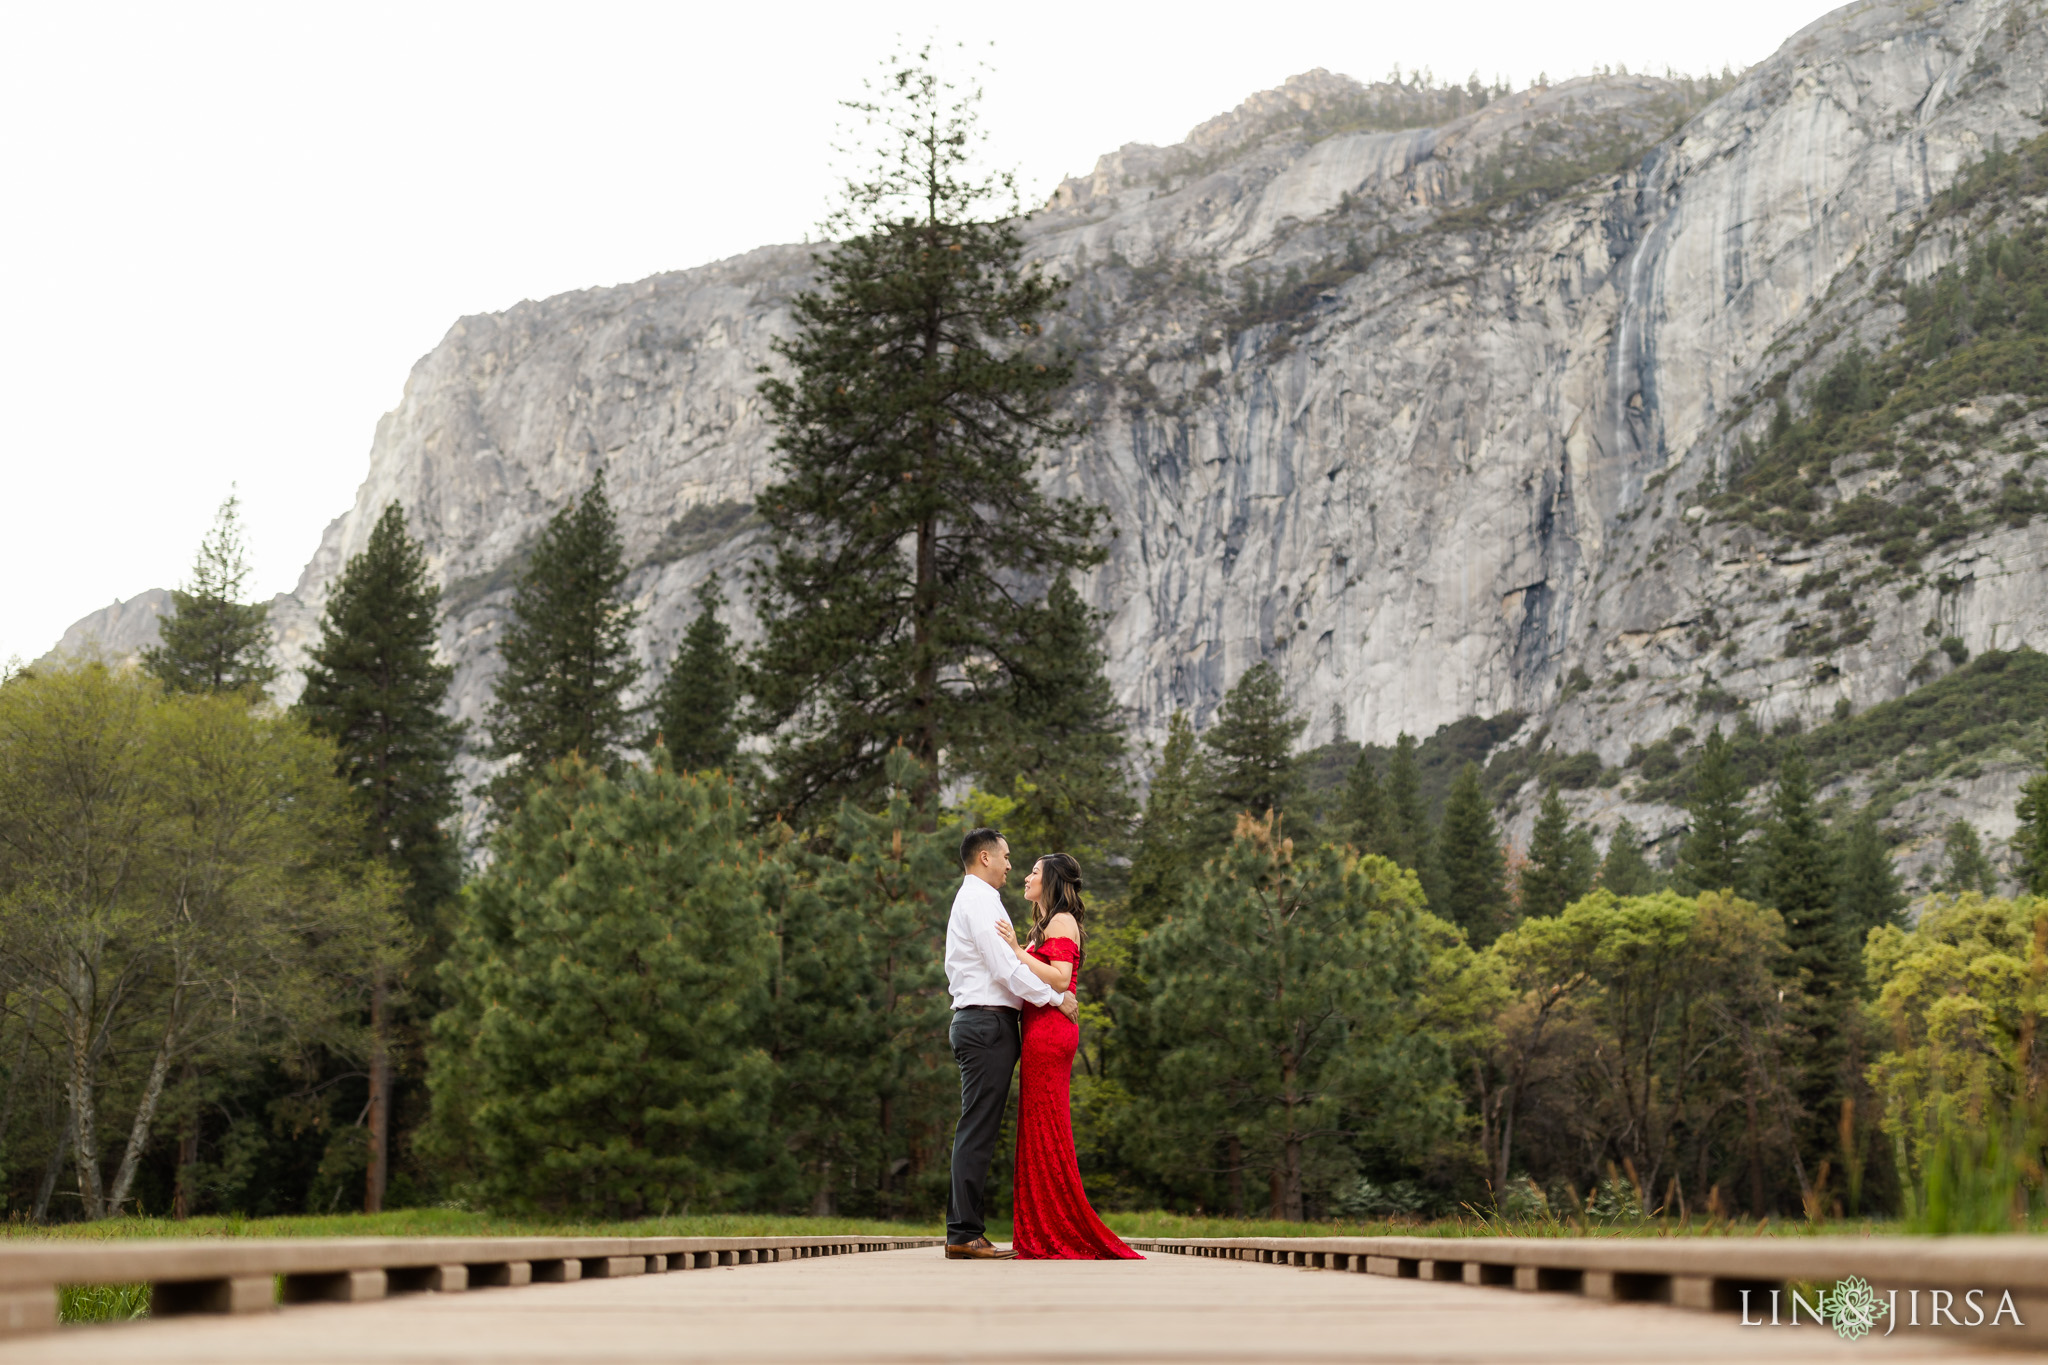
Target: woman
<point x="1053" y="1220"/>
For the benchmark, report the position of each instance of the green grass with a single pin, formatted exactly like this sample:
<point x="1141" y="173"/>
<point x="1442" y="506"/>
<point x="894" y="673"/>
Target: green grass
<point x="102" y="1302"/>
<point x="1157" y="1223"/>
<point x="460" y="1223"/>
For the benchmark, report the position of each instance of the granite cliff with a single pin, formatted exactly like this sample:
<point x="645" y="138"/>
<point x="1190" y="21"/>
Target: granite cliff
<point x="1434" y="399"/>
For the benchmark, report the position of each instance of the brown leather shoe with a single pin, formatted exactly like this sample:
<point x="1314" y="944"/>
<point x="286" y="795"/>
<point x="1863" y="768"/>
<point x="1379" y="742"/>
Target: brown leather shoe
<point x="980" y="1249"/>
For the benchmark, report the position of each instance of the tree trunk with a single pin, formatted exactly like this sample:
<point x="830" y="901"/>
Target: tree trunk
<point x="188" y="1154"/>
<point x="145" y="1117"/>
<point x="1292" y="1208"/>
<point x="50" y="1174"/>
<point x="1236" y="1176"/>
<point x="821" y="1202"/>
<point x="380" y="1097"/>
<point x="1756" y="1164"/>
<point x="79" y="1096"/>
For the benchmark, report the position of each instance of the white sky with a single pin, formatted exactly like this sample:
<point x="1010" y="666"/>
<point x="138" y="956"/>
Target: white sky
<point x="227" y="232"/>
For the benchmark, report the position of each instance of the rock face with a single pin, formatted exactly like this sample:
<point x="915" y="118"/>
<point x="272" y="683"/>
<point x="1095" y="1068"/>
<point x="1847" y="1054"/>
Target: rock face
<point x="119" y="632"/>
<point x="1398" y="408"/>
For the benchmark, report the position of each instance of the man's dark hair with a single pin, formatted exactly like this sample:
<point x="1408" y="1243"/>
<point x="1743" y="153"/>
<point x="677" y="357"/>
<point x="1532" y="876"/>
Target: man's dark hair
<point x="975" y="842"/>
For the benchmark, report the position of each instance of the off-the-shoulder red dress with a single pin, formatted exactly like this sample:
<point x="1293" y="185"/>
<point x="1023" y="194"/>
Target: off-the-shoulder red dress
<point x="1053" y="1219"/>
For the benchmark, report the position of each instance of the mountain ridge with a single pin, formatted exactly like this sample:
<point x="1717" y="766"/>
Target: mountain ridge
<point x="1408" y="411"/>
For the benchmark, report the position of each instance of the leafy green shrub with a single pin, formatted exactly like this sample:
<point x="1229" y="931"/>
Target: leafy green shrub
<point x="1572" y="771"/>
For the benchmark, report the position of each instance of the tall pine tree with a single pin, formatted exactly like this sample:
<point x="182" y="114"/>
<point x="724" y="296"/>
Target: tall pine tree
<point x="696" y="712"/>
<point x="1252" y="769"/>
<point x="1796" y="877"/>
<point x="1712" y="856"/>
<point x="1625" y="871"/>
<point x="1363" y="818"/>
<point x="1057" y="749"/>
<point x="1965" y="866"/>
<point x="1867" y="891"/>
<point x="1408" y="832"/>
<point x="1474" y="875"/>
<point x="907" y="510"/>
<point x="1171" y="834"/>
<point x="567" y="663"/>
<point x="374" y="687"/>
<point x="2030" y="840"/>
<point x="1561" y="860"/>
<point x="213" y="641"/>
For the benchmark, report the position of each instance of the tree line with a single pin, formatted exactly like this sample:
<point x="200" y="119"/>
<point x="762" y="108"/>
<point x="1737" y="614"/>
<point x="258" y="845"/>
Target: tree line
<point x="696" y="963"/>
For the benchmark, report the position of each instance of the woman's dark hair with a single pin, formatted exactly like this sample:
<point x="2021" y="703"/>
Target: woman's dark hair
<point x="1059" y="889"/>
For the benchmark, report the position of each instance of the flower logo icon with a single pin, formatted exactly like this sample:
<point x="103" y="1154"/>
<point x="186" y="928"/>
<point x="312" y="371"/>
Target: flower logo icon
<point x="1853" y="1307"/>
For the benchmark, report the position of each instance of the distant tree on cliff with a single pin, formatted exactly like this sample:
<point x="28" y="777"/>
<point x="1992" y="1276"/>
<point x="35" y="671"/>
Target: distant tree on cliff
<point x="375" y="689"/>
<point x="1473" y="872"/>
<point x="1252" y="769"/>
<point x="213" y="641"/>
<point x="1408" y="834"/>
<point x="567" y="664"/>
<point x="907" y="525"/>
<point x="1561" y="864"/>
<point x="696" y="711"/>
<point x="1625" y="871"/>
<point x="1966" y="868"/>
<point x="1170" y="837"/>
<point x="1712" y="858"/>
<point x="1362" y="815"/>
<point x="1867" y="891"/>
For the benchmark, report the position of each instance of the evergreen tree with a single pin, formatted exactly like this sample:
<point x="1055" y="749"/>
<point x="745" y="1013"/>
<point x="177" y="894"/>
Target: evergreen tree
<point x="375" y="689"/>
<point x="213" y="641"/>
<point x="696" y="711"/>
<point x="1712" y="856"/>
<point x="1408" y="833"/>
<point x="1170" y="836"/>
<point x="1796" y="877"/>
<point x="1252" y="769"/>
<point x="1284" y="998"/>
<point x="607" y="995"/>
<point x="2030" y="840"/>
<point x="908" y="510"/>
<point x="1363" y="817"/>
<point x="1625" y="871"/>
<point x="1475" y="896"/>
<point x="1561" y="860"/>
<point x="1058" y="746"/>
<point x="567" y="662"/>
<point x="864" y="1104"/>
<point x="1867" y="894"/>
<point x="1967" y="867"/>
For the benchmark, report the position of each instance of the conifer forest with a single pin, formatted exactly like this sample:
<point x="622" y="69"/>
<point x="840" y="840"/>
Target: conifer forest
<point x="685" y="952"/>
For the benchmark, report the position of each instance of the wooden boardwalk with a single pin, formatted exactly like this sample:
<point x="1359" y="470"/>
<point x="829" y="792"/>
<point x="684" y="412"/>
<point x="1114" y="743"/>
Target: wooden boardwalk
<point x="914" y="1306"/>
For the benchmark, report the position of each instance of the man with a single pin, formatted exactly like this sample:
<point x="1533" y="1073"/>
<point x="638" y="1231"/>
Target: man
<point x="987" y="984"/>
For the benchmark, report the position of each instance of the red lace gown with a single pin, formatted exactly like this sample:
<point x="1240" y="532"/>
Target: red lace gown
<point x="1053" y="1220"/>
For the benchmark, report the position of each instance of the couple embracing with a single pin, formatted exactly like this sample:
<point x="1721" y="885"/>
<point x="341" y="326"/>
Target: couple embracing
<point x="1011" y="1001"/>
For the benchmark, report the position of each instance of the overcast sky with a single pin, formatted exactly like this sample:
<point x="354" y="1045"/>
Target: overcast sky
<point x="228" y="232"/>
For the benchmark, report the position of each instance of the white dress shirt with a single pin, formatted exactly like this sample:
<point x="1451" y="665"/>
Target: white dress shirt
<point x="980" y="968"/>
